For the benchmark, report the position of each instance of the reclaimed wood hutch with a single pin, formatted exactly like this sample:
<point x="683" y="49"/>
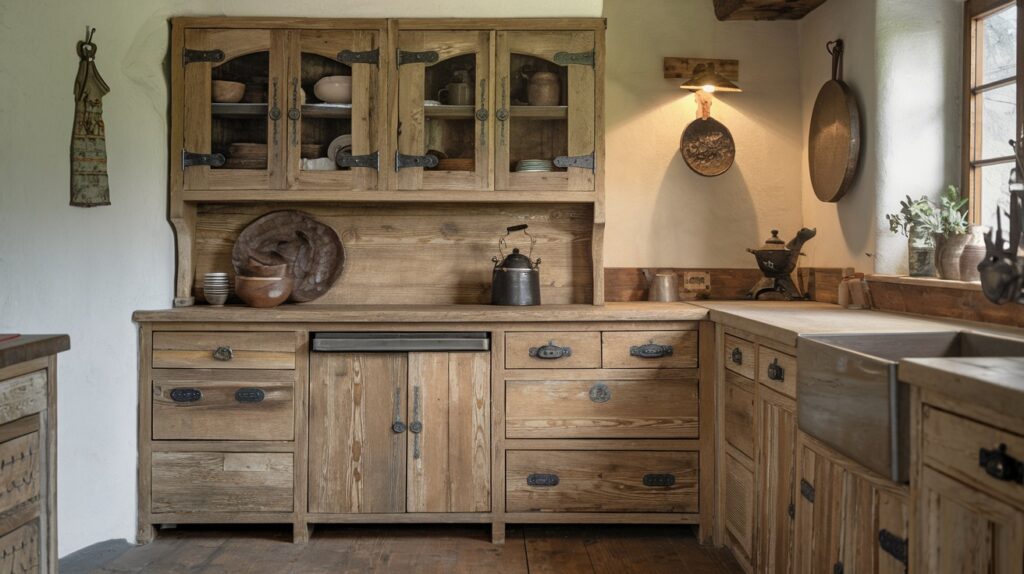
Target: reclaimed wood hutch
<point x="597" y="432"/>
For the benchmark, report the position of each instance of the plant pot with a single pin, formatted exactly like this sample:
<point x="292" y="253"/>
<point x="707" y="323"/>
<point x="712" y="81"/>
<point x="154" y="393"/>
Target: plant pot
<point x="948" y="250"/>
<point x="922" y="254"/>
<point x="974" y="254"/>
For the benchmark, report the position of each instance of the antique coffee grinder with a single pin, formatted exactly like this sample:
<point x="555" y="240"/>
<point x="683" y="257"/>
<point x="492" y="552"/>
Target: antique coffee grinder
<point x="777" y="261"/>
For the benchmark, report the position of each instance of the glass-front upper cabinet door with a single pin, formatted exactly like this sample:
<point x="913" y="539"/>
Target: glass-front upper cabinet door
<point x="234" y="109"/>
<point x="333" y="109"/>
<point x="443" y="110"/>
<point x="545" y="112"/>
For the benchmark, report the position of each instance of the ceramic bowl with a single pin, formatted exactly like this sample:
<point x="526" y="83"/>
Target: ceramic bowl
<point x="334" y="89"/>
<point x="227" y="92"/>
<point x="257" y="269"/>
<point x="215" y="299"/>
<point x="263" y="292"/>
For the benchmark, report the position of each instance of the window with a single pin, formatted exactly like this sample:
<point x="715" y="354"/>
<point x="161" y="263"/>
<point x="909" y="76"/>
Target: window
<point x="992" y="105"/>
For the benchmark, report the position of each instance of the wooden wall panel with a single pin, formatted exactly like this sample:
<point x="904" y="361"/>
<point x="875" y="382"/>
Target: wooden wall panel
<point x="623" y="284"/>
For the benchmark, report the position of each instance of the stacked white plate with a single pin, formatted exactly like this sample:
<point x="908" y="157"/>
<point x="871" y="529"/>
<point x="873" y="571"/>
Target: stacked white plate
<point x="216" y="288"/>
<point x="535" y="165"/>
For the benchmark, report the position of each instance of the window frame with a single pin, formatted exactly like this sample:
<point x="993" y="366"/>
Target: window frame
<point x="974" y="11"/>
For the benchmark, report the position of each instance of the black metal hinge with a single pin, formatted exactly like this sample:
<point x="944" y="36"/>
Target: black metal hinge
<point x="194" y="56"/>
<point x="428" y="57"/>
<point x="189" y="159"/>
<point x="807" y="490"/>
<point x="893" y="545"/>
<point x="791" y="511"/>
<point x="584" y="161"/>
<point x="367" y="57"/>
<point x="371" y="161"/>
<point x="575" y="58"/>
<point x="837" y="568"/>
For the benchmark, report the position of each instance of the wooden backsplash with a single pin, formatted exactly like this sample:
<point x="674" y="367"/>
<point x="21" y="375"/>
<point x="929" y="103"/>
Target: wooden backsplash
<point x="423" y="253"/>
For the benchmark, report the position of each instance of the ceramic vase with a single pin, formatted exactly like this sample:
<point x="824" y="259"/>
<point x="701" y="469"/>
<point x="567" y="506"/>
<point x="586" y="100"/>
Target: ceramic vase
<point x="922" y="253"/>
<point x="948" y="249"/>
<point x="973" y="254"/>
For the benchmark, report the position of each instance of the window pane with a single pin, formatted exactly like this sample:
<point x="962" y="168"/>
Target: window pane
<point x="995" y="192"/>
<point x="999" y="59"/>
<point x="998" y="115"/>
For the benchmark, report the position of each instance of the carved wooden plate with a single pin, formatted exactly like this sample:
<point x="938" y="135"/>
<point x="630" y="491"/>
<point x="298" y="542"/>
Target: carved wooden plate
<point x="313" y="251"/>
<point x="707" y="147"/>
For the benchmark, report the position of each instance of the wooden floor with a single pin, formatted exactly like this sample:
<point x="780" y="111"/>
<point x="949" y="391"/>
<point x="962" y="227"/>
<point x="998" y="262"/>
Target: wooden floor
<point x="562" y="549"/>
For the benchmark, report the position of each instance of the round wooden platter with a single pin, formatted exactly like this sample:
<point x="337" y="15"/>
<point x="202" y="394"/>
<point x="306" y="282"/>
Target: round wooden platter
<point x="834" y="139"/>
<point x="313" y="251"/>
<point x="707" y="147"/>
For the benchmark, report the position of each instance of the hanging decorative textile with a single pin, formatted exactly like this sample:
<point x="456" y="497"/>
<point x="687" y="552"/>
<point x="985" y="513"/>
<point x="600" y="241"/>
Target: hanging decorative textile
<point x="89" y="186"/>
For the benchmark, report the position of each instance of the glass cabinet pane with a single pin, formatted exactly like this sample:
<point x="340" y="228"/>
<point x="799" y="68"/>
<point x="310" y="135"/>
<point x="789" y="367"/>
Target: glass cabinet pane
<point x="449" y="120"/>
<point x="326" y="112"/>
<point x="239" y="111"/>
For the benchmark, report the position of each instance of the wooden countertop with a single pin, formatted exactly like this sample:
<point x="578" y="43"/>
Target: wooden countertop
<point x="642" y="311"/>
<point x="27" y="347"/>
<point x="993" y="382"/>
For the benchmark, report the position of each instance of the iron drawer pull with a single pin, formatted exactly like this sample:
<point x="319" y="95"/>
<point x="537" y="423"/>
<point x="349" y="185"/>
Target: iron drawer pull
<point x="542" y="480"/>
<point x="655" y="480"/>
<point x="186" y="395"/>
<point x="550" y="351"/>
<point x="223" y="354"/>
<point x="416" y="427"/>
<point x="398" y="427"/>
<point x="250" y="395"/>
<point x="737" y="356"/>
<point x="651" y="351"/>
<point x="1000" y="465"/>
<point x="600" y="393"/>
<point x="776" y="372"/>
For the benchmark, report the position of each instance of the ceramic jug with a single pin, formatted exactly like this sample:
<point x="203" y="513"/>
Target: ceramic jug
<point x="544" y="89"/>
<point x="459" y="92"/>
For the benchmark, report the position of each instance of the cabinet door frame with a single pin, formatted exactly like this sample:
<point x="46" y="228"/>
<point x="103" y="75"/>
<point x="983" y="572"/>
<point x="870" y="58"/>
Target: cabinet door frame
<point x="198" y="114"/>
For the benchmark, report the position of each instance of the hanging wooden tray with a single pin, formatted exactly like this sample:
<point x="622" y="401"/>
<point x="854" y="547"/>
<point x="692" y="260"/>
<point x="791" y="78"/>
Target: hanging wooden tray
<point x="707" y="147"/>
<point x="313" y="251"/>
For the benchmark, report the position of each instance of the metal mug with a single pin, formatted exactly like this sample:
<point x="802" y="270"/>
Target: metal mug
<point x="663" y="287"/>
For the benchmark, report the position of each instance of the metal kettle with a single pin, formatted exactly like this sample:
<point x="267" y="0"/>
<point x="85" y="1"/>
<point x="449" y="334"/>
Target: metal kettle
<point x="516" y="277"/>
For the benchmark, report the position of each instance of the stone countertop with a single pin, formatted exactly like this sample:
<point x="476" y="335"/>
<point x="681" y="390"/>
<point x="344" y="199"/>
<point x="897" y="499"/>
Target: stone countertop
<point x="993" y="382"/>
<point x="24" y="348"/>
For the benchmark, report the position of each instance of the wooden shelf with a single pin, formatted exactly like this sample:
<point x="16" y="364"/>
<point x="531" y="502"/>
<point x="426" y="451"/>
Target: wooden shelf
<point x="423" y="196"/>
<point x="540" y="112"/>
<point x="449" y="112"/>
<point x="246" y="110"/>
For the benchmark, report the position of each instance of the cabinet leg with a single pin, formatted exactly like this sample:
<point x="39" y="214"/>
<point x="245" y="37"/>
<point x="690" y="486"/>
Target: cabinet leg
<point x="301" y="533"/>
<point x="144" y="534"/>
<point x="497" y="533"/>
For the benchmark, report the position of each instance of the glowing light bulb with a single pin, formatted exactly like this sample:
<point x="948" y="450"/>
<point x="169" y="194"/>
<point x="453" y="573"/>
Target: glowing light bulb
<point x="709" y="89"/>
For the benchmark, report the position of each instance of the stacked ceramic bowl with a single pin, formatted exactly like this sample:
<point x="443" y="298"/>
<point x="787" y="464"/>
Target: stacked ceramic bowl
<point x="535" y="165"/>
<point x="216" y="288"/>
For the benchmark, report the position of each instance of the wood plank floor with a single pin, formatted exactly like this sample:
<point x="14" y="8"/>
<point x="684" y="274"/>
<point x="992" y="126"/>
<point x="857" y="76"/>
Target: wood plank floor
<point x="556" y="549"/>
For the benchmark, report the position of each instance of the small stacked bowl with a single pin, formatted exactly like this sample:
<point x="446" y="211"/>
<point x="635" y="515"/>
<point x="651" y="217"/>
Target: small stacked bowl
<point x="216" y="288"/>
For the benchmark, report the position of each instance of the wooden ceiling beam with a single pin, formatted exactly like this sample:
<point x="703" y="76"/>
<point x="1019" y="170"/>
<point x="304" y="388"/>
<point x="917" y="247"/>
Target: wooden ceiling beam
<point x="764" y="9"/>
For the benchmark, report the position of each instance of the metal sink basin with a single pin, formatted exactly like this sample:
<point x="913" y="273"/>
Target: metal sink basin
<point x="849" y="394"/>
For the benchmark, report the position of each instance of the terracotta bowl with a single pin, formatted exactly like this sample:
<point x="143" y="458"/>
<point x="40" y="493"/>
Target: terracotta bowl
<point x="228" y="92"/>
<point x="263" y="292"/>
<point x="334" y="89"/>
<point x="257" y="269"/>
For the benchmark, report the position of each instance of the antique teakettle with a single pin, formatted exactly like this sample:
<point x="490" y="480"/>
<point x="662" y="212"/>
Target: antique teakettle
<point x="516" y="277"/>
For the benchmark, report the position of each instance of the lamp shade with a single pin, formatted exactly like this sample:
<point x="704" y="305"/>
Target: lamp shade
<point x="706" y="78"/>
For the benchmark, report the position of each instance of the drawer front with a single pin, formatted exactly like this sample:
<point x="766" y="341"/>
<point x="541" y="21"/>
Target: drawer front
<point x="601" y="481"/>
<point x="19" y="549"/>
<point x="211" y="350"/>
<point x="602" y="409"/>
<point x="649" y="350"/>
<point x="22" y="396"/>
<point x="777" y="370"/>
<point x="740" y="356"/>
<point x="236" y="409"/>
<point x="222" y="482"/>
<point x="953" y="445"/>
<point x="738" y="404"/>
<point x="553" y="350"/>
<point x="20" y="470"/>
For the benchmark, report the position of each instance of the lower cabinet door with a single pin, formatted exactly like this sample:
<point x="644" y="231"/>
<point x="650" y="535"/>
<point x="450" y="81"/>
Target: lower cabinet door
<point x="601" y="481"/>
<point x="819" y="508"/>
<point x="19" y="549"/>
<point x="776" y="482"/>
<point x="965" y="530"/>
<point x="222" y="482"/>
<point x="738" y="504"/>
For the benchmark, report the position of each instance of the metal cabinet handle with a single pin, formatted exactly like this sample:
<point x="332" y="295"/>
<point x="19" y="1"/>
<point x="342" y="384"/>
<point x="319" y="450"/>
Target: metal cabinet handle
<point x="776" y="372"/>
<point x="662" y="480"/>
<point x="294" y="112"/>
<point x="398" y="427"/>
<point x="551" y="351"/>
<point x="186" y="395"/>
<point x="542" y="480"/>
<point x="223" y="354"/>
<point x="737" y="356"/>
<point x="1000" y="465"/>
<point x="481" y="113"/>
<point x="502" y="113"/>
<point x="416" y="427"/>
<point x="275" y="110"/>
<point x="651" y="351"/>
<point x="250" y="395"/>
<point x="600" y="393"/>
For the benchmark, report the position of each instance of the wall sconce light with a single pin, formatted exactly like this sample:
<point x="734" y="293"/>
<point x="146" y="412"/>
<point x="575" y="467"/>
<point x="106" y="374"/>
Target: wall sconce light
<point x="707" y="145"/>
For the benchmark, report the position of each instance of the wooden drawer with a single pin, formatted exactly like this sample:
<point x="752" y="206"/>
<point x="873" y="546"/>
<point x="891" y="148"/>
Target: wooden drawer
<point x="222" y="482"/>
<point x="777" y="370"/>
<point x="206" y="405"/>
<point x="564" y="349"/>
<point x="19" y="549"/>
<point x="21" y="463"/>
<point x="649" y="350"/>
<point x="952" y="444"/>
<point x="212" y="350"/>
<point x="22" y="396"/>
<point x="600" y="481"/>
<point x="602" y="409"/>
<point x="740" y="356"/>
<point x="738" y="404"/>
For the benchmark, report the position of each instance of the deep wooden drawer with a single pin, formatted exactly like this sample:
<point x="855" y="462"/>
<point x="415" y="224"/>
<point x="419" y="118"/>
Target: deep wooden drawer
<point x="740" y="356"/>
<point x="222" y="482"/>
<point x="601" y="481"/>
<point x="19" y="549"/>
<point x="953" y="444"/>
<point x="602" y="409"/>
<point x="777" y="370"/>
<point x="553" y="350"/>
<point x="212" y="350"/>
<point x="738" y="404"/>
<point x="223" y="405"/>
<point x="21" y="463"/>
<point x="22" y="396"/>
<point x="649" y="350"/>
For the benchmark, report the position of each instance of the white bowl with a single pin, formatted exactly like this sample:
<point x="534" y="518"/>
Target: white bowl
<point x="334" y="89"/>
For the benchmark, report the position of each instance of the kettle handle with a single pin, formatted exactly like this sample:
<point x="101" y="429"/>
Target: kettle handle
<point x="509" y="231"/>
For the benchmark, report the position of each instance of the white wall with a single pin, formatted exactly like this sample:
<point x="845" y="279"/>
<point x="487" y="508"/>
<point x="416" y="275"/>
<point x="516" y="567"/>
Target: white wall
<point x="660" y="213"/>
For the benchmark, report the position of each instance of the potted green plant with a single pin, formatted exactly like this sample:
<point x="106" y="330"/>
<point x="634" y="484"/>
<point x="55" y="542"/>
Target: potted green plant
<point x="952" y="234"/>
<point x="917" y="220"/>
